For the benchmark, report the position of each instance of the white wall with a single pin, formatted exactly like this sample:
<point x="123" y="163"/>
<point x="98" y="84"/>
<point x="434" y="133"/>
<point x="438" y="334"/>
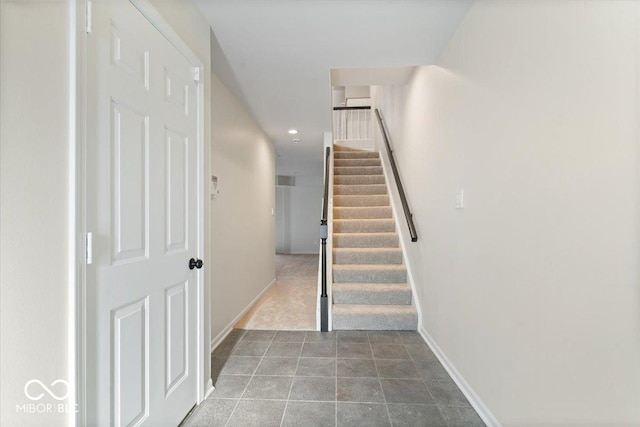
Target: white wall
<point x="337" y="96"/>
<point x="531" y="291"/>
<point x="357" y="92"/>
<point x="36" y="331"/>
<point x="298" y="212"/>
<point x="37" y="193"/>
<point x="242" y="225"/>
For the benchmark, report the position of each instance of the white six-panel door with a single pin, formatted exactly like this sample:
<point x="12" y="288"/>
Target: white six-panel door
<point x="142" y="208"/>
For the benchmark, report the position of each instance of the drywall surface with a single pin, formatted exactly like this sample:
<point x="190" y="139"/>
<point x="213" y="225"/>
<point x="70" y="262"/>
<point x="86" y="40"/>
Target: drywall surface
<point x="531" y="290"/>
<point x="298" y="213"/>
<point x="36" y="314"/>
<point x="242" y="224"/>
<point x="357" y="92"/>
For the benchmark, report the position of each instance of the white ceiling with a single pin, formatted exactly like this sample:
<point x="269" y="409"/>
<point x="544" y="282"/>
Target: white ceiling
<point x="277" y="56"/>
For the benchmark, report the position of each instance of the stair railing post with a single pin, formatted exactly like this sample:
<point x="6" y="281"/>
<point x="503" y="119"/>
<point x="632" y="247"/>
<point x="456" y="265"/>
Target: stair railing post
<point x="324" y="308"/>
<point x="324" y="233"/>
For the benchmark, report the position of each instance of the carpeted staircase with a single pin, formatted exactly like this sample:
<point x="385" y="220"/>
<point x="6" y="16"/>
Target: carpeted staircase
<point x="370" y="290"/>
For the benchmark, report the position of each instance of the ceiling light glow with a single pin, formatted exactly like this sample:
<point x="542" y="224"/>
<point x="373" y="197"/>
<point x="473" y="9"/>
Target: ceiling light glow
<point x="293" y="131"/>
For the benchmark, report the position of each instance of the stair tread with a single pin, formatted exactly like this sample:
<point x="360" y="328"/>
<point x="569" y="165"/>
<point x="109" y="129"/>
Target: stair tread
<point x="374" y="308"/>
<point x="358" y="161"/>
<point x="366" y="240"/>
<point x="360" y="179"/>
<point x="361" y="200"/>
<point x="372" y="294"/>
<point x="363" y="221"/>
<point x="372" y="287"/>
<point x="361" y="207"/>
<point x="365" y="250"/>
<point x="370" y="267"/>
<point x="367" y="255"/>
<point x="346" y="220"/>
<point x="362" y="212"/>
<point x="380" y="233"/>
<point x="359" y="189"/>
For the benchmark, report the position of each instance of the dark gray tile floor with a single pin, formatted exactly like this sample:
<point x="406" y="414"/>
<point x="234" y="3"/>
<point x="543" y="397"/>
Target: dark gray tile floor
<point x="350" y="378"/>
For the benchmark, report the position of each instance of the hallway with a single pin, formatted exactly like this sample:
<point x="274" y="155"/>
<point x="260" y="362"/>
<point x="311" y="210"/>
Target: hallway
<point x="345" y="378"/>
<point x="290" y="304"/>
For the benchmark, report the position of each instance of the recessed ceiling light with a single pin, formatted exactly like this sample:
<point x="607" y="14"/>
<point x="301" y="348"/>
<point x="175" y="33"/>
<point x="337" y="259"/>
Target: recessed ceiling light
<point x="295" y="141"/>
<point x="293" y="131"/>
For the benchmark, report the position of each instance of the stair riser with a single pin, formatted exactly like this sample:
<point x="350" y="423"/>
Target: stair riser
<point x="359" y="170"/>
<point x="371" y="298"/>
<point x="356" y="162"/>
<point x="370" y="276"/>
<point x="362" y="213"/>
<point x="365" y="201"/>
<point x="343" y="190"/>
<point x="343" y="256"/>
<point x="356" y="154"/>
<point x="365" y="241"/>
<point x="363" y="322"/>
<point x="358" y="179"/>
<point x="345" y="148"/>
<point x="364" y="226"/>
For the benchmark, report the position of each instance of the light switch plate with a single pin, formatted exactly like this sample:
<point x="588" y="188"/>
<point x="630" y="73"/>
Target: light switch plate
<point x="214" y="186"/>
<point x="460" y="200"/>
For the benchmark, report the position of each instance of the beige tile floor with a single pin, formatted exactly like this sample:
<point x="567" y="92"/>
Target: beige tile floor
<point x="290" y="304"/>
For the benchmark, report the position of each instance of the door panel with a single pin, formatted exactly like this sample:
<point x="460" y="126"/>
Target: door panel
<point x="177" y="191"/>
<point x="177" y="335"/>
<point x="142" y="206"/>
<point x="129" y="56"/>
<point x="130" y="174"/>
<point x="130" y="363"/>
<point x="177" y="91"/>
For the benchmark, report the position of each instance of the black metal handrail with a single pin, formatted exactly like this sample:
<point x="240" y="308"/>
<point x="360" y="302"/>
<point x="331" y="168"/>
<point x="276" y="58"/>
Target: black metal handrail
<point x="356" y="107"/>
<point x="396" y="175"/>
<point x="324" y="233"/>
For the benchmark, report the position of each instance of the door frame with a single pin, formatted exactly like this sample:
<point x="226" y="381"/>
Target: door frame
<point x="78" y="209"/>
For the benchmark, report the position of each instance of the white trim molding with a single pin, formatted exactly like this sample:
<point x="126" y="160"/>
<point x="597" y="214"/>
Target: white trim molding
<point x="483" y="411"/>
<point x="215" y="342"/>
<point x="210" y="388"/>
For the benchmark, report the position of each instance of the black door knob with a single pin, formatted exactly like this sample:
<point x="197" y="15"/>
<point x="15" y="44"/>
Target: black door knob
<point x="194" y="263"/>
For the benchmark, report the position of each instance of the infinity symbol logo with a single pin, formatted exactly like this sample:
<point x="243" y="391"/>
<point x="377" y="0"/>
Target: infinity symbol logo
<point x="45" y="388"/>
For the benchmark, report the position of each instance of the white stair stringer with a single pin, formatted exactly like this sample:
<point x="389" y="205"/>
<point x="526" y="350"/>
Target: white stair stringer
<point x="369" y="278"/>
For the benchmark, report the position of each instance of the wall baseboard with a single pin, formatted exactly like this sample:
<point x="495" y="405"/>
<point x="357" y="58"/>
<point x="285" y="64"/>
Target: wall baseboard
<point x="475" y="401"/>
<point x="209" y="390"/>
<point x="215" y="342"/>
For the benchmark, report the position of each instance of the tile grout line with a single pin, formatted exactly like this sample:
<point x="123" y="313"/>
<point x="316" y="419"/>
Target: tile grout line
<point x="384" y="396"/>
<point x="293" y="378"/>
<point x="415" y="357"/>
<point x="423" y="380"/>
<point x="252" y="375"/>
<point x="245" y="387"/>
